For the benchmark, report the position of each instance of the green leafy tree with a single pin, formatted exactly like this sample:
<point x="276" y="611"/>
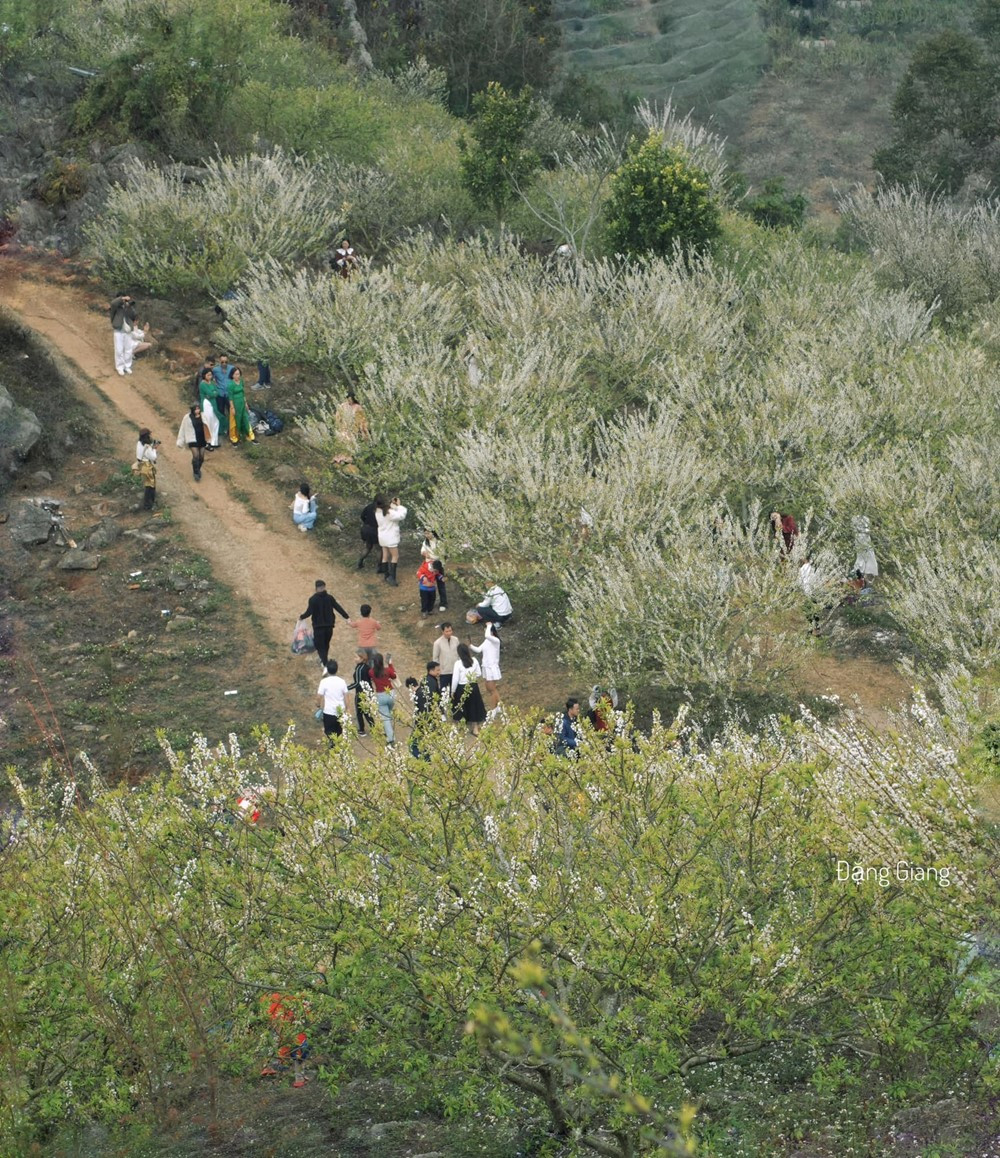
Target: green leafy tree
<point x="944" y="115"/>
<point x="581" y="942"/>
<point x="512" y="42"/>
<point x="660" y="201"/>
<point x="498" y="163"/>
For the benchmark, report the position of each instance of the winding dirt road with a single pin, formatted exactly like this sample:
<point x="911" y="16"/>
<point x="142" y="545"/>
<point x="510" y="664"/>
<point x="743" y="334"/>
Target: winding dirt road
<point x="259" y="553"/>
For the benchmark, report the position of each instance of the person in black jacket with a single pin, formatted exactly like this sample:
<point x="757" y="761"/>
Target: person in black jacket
<point x="369" y="532"/>
<point x="320" y="610"/>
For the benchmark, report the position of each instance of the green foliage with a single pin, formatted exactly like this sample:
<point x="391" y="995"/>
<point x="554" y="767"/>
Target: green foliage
<point x="64" y="181"/>
<point x="583" y="942"/>
<point x="199" y="238"/>
<point x="498" y="163"/>
<point x="660" y="202"/>
<point x="510" y="42"/>
<point x="776" y="208"/>
<point x="944" y="115"/>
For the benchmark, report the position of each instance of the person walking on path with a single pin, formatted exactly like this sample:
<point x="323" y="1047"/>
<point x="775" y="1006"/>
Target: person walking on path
<point x="383" y="680"/>
<point x="389" y="516"/>
<point x="208" y="396"/>
<point x="333" y="698"/>
<point x="304" y="508"/>
<point x="369" y="533"/>
<point x="145" y="456"/>
<point x="466" y="698"/>
<point x="445" y="653"/>
<point x="239" y="416"/>
<point x="489" y="651"/>
<point x="367" y="628"/>
<point x="361" y="686"/>
<point x="192" y="435"/>
<point x="123" y="315"/>
<point x="320" y="610"/>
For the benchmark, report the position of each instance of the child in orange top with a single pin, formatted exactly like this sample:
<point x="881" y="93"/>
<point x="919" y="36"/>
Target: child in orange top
<point x="366" y="627"/>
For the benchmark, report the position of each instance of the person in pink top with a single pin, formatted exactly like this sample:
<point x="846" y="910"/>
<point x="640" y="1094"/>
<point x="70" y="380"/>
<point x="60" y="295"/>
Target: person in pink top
<point x="366" y="627"/>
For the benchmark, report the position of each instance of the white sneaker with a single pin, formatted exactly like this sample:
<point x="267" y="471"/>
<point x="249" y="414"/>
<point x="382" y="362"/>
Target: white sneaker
<point x="121" y="373"/>
<point x="303" y="528"/>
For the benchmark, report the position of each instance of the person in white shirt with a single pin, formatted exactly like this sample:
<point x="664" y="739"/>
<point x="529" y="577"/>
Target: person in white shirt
<point x="304" y="508"/>
<point x="388" y="516"/>
<point x="489" y="651"/>
<point x="466" y="698"/>
<point x="495" y="606"/>
<point x="333" y="699"/>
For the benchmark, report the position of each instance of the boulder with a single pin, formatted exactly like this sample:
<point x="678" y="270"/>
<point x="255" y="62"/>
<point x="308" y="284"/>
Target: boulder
<point x="78" y="560"/>
<point x="19" y="431"/>
<point x="31" y="524"/>
<point x="103" y="535"/>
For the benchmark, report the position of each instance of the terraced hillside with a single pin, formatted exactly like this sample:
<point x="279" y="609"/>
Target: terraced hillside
<point x="707" y="53"/>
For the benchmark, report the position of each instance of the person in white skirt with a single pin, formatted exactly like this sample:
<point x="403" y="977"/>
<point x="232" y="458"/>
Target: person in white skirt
<point x="489" y="651"/>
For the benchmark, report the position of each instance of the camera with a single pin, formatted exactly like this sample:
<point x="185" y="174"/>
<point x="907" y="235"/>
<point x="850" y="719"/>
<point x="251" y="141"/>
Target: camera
<point x="154" y="442"/>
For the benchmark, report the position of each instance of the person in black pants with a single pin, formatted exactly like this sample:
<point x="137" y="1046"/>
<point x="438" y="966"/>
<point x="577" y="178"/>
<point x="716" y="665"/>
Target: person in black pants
<point x="320" y="610"/>
<point x="369" y="532"/>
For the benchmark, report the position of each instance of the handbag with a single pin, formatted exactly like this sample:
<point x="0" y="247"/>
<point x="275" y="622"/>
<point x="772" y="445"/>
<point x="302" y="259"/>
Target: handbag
<point x="302" y="638"/>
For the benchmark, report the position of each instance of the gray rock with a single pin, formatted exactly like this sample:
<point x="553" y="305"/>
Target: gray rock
<point x="103" y="535"/>
<point x="182" y="623"/>
<point x="287" y="473"/>
<point x="19" y="431"/>
<point x="31" y="523"/>
<point x="77" y="560"/>
<point x="41" y="477"/>
<point x="178" y="582"/>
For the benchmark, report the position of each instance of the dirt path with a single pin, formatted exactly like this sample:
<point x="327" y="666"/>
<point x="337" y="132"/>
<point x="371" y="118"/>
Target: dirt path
<point x="252" y="546"/>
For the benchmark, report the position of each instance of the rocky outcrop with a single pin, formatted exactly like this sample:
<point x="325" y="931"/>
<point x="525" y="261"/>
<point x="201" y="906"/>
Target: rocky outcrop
<point x="20" y="430"/>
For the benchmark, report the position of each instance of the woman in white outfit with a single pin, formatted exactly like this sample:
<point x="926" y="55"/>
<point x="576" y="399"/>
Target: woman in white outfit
<point x="489" y="651"/>
<point x="388" y="516"/>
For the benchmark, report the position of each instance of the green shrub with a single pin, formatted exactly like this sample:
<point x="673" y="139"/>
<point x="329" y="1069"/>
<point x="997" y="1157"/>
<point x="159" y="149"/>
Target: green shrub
<point x="775" y="208"/>
<point x="499" y="160"/>
<point x="660" y="202"/>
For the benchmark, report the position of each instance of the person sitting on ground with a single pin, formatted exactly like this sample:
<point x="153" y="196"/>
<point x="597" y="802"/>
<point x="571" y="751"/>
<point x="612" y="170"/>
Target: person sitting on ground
<point x="367" y="628"/>
<point x="495" y="606"/>
<point x="304" y="508"/>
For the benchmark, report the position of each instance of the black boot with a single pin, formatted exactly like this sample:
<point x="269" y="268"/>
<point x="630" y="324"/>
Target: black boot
<point x="391" y="577"/>
<point x="382" y="569"/>
<point x="361" y="561"/>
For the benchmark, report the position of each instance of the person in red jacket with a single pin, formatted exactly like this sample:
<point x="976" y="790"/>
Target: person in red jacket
<point x="382" y="677"/>
<point x="427" y="585"/>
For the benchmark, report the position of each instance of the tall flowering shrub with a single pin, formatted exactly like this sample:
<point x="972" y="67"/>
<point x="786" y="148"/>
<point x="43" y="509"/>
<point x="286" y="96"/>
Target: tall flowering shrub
<point x="590" y="943"/>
